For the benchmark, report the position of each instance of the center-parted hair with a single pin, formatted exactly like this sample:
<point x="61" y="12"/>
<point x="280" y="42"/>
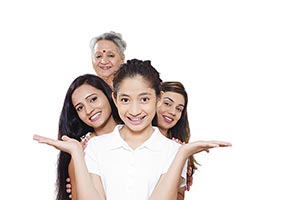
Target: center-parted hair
<point x="181" y="130"/>
<point x="71" y="125"/>
<point x="136" y="67"/>
<point x="112" y="36"/>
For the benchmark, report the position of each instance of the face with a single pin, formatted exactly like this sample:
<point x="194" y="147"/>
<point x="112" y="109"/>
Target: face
<point x="92" y="106"/>
<point x="169" y="109"/>
<point x="136" y="103"/>
<point x="106" y="59"/>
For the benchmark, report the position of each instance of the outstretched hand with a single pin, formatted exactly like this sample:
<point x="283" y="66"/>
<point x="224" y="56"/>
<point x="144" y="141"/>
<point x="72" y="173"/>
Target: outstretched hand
<point x="191" y="148"/>
<point x="67" y="144"/>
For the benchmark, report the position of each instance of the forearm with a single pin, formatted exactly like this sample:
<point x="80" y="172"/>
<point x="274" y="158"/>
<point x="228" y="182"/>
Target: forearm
<point x="85" y="188"/>
<point x="72" y="179"/>
<point x="181" y="193"/>
<point x="167" y="188"/>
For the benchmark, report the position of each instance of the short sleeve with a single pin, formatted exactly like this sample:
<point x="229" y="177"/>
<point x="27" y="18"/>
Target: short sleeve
<point x="91" y="159"/>
<point x="172" y="153"/>
<point x="183" y="174"/>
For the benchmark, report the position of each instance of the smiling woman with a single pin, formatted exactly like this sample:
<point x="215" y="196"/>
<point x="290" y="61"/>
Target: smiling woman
<point x="172" y="120"/>
<point x="136" y="145"/>
<point x="107" y="51"/>
<point x="87" y="108"/>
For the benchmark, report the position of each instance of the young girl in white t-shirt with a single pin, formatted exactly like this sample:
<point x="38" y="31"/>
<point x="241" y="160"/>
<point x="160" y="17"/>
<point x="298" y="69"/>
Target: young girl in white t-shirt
<point x="135" y="161"/>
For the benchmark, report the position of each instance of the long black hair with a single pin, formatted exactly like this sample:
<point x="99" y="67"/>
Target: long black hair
<point x="181" y="130"/>
<point x="71" y="125"/>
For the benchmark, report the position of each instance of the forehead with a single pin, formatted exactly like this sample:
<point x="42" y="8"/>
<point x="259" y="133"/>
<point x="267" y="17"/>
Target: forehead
<point x="84" y="91"/>
<point x="176" y="97"/>
<point x="105" y="45"/>
<point x="135" y="85"/>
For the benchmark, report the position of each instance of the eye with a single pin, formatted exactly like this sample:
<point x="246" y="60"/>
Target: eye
<point x="111" y="55"/>
<point x="168" y="103"/>
<point x="179" y="109"/>
<point x="124" y="100"/>
<point x="97" y="56"/>
<point x="79" y="108"/>
<point x="145" y="99"/>
<point x="93" y="99"/>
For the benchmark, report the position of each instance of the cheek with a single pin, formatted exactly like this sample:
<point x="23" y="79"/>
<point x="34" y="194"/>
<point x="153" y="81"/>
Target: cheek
<point x="178" y="116"/>
<point x="121" y="109"/>
<point x="81" y="116"/>
<point x="117" y="62"/>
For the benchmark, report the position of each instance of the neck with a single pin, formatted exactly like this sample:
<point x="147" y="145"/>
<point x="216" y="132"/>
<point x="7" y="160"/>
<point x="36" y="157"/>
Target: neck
<point x="164" y="131"/>
<point x="107" y="127"/>
<point x="109" y="81"/>
<point x="136" y="138"/>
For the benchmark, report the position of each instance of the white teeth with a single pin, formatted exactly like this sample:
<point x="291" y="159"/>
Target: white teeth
<point x="168" y="119"/>
<point x="94" y="116"/>
<point x="136" y="118"/>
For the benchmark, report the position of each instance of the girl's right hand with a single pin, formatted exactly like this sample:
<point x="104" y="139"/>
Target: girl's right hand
<point x="67" y="144"/>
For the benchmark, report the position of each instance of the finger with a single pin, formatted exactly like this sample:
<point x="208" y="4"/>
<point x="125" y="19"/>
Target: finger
<point x="65" y="138"/>
<point x="68" y="186"/>
<point x="68" y="190"/>
<point x="68" y="180"/>
<point x="45" y="140"/>
<point x="221" y="143"/>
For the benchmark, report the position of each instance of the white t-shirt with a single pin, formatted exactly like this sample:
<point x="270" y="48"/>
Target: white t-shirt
<point x="129" y="174"/>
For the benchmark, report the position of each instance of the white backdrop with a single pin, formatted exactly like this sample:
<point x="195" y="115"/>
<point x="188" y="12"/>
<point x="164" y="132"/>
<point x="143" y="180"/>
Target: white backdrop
<point x="239" y="61"/>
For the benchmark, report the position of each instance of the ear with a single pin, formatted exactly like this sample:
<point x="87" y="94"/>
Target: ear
<point x="114" y="99"/>
<point x="159" y="99"/>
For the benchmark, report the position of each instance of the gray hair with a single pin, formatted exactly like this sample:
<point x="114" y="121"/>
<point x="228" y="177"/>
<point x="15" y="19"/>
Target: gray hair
<point x="112" y="36"/>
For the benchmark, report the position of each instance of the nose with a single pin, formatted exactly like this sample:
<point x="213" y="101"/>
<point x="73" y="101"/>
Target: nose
<point x="134" y="109"/>
<point x="172" y="110"/>
<point x="104" y="60"/>
<point x="89" y="109"/>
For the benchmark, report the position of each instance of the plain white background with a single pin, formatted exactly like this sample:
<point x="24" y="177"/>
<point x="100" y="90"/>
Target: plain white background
<point x="239" y="61"/>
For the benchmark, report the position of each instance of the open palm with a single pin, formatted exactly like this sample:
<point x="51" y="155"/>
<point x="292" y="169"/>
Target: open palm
<point x="67" y="144"/>
<point x="199" y="146"/>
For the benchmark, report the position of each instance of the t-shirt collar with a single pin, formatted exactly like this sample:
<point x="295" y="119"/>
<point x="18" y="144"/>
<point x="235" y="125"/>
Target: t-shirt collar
<point x="154" y="143"/>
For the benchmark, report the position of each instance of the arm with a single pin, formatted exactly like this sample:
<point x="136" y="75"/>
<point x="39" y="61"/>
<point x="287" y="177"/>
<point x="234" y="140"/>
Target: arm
<point x="88" y="186"/>
<point x="180" y="193"/>
<point x="168" y="184"/>
<point x="72" y="180"/>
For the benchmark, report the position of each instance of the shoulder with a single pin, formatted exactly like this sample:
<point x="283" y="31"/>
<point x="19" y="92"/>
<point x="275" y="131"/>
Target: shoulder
<point x="166" y="143"/>
<point x="103" y="141"/>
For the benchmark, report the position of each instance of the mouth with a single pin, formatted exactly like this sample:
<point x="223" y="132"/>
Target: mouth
<point x="136" y="120"/>
<point x="168" y="119"/>
<point x="95" y="117"/>
<point x="105" y="67"/>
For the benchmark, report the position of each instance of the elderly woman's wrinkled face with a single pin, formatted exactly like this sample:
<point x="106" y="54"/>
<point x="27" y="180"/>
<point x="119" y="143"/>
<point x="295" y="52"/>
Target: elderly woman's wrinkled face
<point x="106" y="60"/>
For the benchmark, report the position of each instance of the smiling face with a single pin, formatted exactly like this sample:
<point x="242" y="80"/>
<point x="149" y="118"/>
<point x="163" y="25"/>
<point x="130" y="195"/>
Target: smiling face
<point x="92" y="106"/>
<point x="169" y="110"/>
<point x="136" y="102"/>
<point x="106" y="60"/>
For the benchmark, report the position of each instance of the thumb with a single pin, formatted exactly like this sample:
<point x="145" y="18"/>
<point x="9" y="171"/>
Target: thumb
<point x="65" y="138"/>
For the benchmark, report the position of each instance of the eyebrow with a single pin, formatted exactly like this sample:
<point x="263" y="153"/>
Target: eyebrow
<point x="168" y="98"/>
<point x="141" y="94"/>
<point x="85" y="98"/>
<point x="105" y="51"/>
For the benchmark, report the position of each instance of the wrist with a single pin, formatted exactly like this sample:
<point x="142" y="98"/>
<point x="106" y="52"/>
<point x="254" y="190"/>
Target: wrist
<point x="182" y="154"/>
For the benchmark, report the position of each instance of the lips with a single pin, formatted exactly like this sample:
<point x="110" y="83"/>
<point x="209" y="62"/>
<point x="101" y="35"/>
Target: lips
<point x="105" y="67"/>
<point x="168" y="119"/>
<point x="136" y="120"/>
<point x="95" y="117"/>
